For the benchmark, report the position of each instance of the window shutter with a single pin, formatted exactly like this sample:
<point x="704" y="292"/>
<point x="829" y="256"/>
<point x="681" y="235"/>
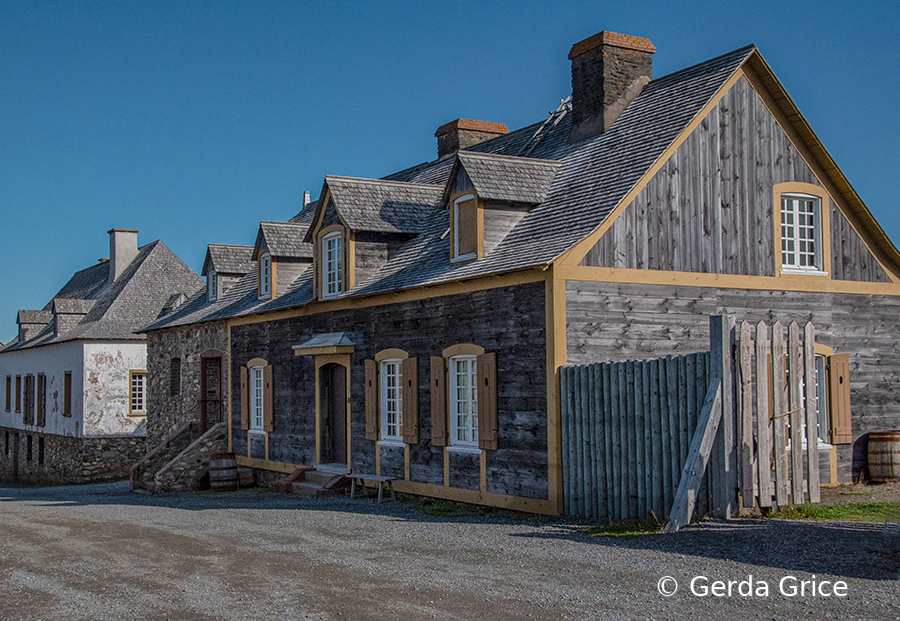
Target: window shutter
<point x="438" y="403"/>
<point x="268" y="400"/>
<point x="410" y="397"/>
<point x="371" y="400"/>
<point x="467" y="221"/>
<point x="41" y="400"/>
<point x="486" y="365"/>
<point x="840" y="429"/>
<point x="245" y="398"/>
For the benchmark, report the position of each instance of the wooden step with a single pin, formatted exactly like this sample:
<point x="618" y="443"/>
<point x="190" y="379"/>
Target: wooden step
<point x="311" y="489"/>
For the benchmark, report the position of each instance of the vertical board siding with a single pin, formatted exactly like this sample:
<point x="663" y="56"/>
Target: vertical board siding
<point x="850" y="259"/>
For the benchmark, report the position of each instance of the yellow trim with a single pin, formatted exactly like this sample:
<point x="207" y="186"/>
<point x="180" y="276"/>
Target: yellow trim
<point x="462" y="349"/>
<point x="446" y="466"/>
<point x="483" y="466"/>
<point x="321" y="361"/>
<point x="406" y="461"/>
<point x="347" y="259"/>
<point x="480" y="283"/>
<point x="391" y="354"/>
<point x="325" y="349"/>
<point x="576" y="253"/>
<point x="262" y="464"/>
<point x="555" y="301"/>
<point x="257" y="362"/>
<point x="824" y="350"/>
<point x="798" y="187"/>
<point x="832" y="462"/>
<point x="785" y="282"/>
<point x="131" y="374"/>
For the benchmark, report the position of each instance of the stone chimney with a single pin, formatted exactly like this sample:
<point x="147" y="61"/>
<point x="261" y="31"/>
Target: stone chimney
<point x="609" y="70"/>
<point x="122" y="250"/>
<point x="463" y="133"/>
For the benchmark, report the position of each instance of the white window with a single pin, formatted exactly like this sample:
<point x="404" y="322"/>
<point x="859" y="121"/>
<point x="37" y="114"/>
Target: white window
<point x="332" y="265"/>
<point x="257" y="400"/>
<point x="463" y="401"/>
<point x="801" y="233"/>
<point x="212" y="286"/>
<point x="265" y="276"/>
<point x="821" y="402"/>
<point x="138" y="393"/>
<point x="391" y="400"/>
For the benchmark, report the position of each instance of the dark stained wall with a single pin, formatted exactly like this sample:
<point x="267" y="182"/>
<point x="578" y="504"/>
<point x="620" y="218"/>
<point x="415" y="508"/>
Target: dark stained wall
<point x="509" y="321"/>
<point x="709" y="209"/>
<point x="621" y="322"/>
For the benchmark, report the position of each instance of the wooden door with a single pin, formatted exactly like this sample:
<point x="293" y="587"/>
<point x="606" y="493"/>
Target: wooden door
<point x="333" y="412"/>
<point x="210" y="392"/>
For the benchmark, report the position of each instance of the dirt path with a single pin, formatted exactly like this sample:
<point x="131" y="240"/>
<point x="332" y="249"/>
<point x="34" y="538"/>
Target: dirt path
<point x="99" y="552"/>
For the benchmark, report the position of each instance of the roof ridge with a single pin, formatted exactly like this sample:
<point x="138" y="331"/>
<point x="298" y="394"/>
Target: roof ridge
<point x="746" y="49"/>
<point x="236" y="245"/>
<point x="516" y="158"/>
<point x="383" y="181"/>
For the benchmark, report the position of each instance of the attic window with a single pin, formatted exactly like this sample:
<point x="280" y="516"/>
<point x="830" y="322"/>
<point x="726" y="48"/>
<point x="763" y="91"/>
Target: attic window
<point x="265" y="276"/>
<point x="465" y="228"/>
<point x="212" y="286"/>
<point x="801" y="233"/>
<point x="332" y="265"/>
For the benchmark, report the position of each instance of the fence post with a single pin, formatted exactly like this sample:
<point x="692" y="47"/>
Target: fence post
<point x="723" y="477"/>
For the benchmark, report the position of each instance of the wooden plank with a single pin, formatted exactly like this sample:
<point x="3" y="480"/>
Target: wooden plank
<point x="729" y="418"/>
<point x="763" y="424"/>
<point x="656" y="468"/>
<point x="672" y="401"/>
<point x="648" y="441"/>
<point x="586" y="444"/>
<point x="683" y="438"/>
<point x="795" y="375"/>
<point x="697" y="458"/>
<point x="779" y="415"/>
<point x="665" y="435"/>
<point x="746" y="416"/>
<point x="622" y="441"/>
<point x="631" y="440"/>
<point x="639" y="453"/>
<point x="607" y="441"/>
<point x="565" y="390"/>
<point x="615" y="441"/>
<point x="812" y="418"/>
<point x="597" y="439"/>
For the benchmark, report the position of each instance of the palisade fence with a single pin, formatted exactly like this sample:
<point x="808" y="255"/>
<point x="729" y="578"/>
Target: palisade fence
<point x="685" y="435"/>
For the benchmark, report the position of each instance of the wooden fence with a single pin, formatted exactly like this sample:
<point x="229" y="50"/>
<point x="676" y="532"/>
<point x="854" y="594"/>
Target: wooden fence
<point x="675" y="435"/>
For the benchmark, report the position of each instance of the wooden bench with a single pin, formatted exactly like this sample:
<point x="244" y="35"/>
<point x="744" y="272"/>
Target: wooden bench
<point x="362" y="478"/>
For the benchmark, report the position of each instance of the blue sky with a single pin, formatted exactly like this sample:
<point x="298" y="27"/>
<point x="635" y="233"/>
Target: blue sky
<point x="193" y="121"/>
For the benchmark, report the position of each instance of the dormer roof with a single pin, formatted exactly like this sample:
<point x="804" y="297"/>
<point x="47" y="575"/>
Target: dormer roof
<point x="227" y="259"/>
<point x="503" y="177"/>
<point x="282" y="240"/>
<point x="378" y="205"/>
<point x="34" y="317"/>
<point x="72" y="306"/>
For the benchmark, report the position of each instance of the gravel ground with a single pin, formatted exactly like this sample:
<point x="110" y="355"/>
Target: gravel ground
<point x="101" y="552"/>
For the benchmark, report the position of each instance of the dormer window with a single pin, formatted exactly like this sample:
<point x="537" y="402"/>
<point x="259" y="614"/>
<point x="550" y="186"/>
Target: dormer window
<point x="465" y="228"/>
<point x="332" y="265"/>
<point x="212" y="286"/>
<point x="801" y="233"/>
<point x="265" y="276"/>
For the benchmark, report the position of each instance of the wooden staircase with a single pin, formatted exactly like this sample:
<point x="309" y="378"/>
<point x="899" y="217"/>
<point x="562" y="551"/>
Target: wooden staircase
<point x="324" y="480"/>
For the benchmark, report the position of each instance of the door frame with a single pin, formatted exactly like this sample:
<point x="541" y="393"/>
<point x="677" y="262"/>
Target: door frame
<point x="321" y="361"/>
<point x="204" y="413"/>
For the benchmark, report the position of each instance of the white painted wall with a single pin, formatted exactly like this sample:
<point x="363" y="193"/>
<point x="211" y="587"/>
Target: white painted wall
<point x="106" y="389"/>
<point x="53" y="361"/>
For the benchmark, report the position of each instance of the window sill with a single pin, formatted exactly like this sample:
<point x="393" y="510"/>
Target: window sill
<point x="792" y="271"/>
<point x="474" y="450"/>
<point x="137" y="414"/>
<point x="393" y="443"/>
<point x="258" y="432"/>
<point x="464" y="258"/>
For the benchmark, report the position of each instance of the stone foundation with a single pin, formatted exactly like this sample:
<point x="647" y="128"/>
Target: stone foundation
<point x="189" y="470"/>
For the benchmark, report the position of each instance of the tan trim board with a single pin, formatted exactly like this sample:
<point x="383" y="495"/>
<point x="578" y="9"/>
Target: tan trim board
<point x="391" y="354"/>
<point x="785" y="282"/>
<point x="263" y="464"/>
<point x="326" y="349"/>
<point x="797" y="187"/>
<point x="555" y="302"/>
<point x="515" y="503"/>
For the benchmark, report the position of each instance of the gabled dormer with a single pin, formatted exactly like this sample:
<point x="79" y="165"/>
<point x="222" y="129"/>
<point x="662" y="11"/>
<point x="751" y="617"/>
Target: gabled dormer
<point x="487" y="195"/>
<point x="32" y="322"/>
<point x="68" y="313"/>
<point x="359" y="224"/>
<point x="281" y="255"/>
<point x="223" y="266"/>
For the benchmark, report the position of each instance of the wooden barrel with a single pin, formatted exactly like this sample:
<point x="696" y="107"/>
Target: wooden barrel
<point x="223" y="472"/>
<point x="884" y="456"/>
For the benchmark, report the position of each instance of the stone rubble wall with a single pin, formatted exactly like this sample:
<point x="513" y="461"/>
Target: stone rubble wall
<point x="189" y="470"/>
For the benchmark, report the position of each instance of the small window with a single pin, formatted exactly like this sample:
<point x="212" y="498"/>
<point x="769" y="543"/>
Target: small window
<point x="391" y="400"/>
<point x="257" y="399"/>
<point x="465" y="228"/>
<point x="801" y="233"/>
<point x="41" y="400"/>
<point x="8" y="393"/>
<point x="18" y="393"/>
<point x="28" y="418"/>
<point x="41" y="451"/>
<point x="174" y="377"/>
<point x="212" y="286"/>
<point x="463" y="401"/>
<point x="265" y="276"/>
<point x="137" y="403"/>
<point x="67" y="394"/>
<point x="332" y="265"/>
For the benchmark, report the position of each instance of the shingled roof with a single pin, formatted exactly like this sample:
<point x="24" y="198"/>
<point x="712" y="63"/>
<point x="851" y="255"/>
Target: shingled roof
<point x="282" y="239"/>
<point x="227" y="259"/>
<point x="112" y="311"/>
<point x="506" y="178"/>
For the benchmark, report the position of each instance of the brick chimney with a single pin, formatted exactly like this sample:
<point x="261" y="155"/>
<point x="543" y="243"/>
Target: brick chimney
<point x="122" y="250"/>
<point x="609" y="70"/>
<point x="463" y="133"/>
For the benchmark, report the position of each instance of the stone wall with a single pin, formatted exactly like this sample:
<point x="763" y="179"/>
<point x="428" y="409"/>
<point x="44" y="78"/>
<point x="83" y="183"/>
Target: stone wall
<point x="190" y="468"/>
<point x="188" y="343"/>
<point x="46" y="458"/>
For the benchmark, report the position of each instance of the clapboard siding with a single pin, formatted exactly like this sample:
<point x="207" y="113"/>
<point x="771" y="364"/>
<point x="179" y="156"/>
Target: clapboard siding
<point x="423" y="328"/>
<point x="372" y="251"/>
<point x="616" y="322"/>
<point x="709" y="209"/>
<point x="499" y="219"/>
<point x="850" y="259"/>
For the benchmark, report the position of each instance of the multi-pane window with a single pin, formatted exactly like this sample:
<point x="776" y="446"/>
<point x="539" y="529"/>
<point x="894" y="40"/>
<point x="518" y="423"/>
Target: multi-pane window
<point x="391" y="400"/>
<point x="212" y="286"/>
<point x="800" y="232"/>
<point x="463" y="401"/>
<point x="332" y="265"/>
<point x="257" y="399"/>
<point x="265" y="276"/>
<point x="138" y="397"/>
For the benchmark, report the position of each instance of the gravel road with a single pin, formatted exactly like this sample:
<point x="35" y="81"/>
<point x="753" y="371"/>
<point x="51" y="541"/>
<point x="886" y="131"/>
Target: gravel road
<point x="101" y="552"/>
